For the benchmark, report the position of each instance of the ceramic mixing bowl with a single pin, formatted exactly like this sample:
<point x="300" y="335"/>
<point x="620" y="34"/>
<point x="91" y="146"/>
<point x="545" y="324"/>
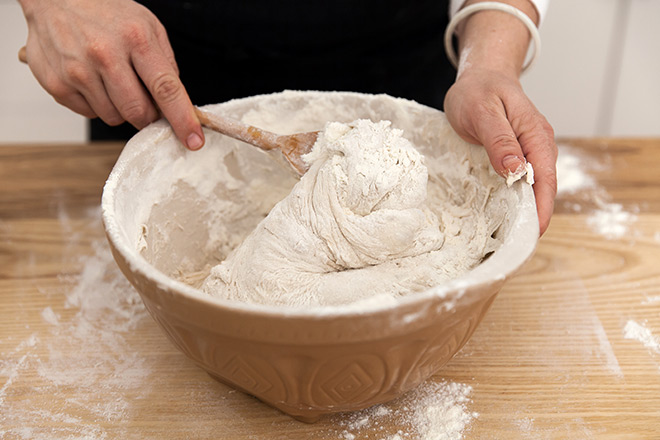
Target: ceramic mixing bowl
<point x="159" y="211"/>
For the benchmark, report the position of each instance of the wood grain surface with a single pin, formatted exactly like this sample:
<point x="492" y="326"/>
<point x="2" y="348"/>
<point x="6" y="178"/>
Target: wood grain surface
<point x="80" y="358"/>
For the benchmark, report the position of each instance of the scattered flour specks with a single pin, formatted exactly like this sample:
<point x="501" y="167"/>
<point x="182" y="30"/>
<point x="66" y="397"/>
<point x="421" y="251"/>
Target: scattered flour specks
<point x="49" y="316"/>
<point x="611" y="220"/>
<point x="571" y="175"/>
<point x="11" y="365"/>
<point x="526" y="425"/>
<point x="81" y="361"/>
<point x="611" y="361"/>
<point x="608" y="219"/>
<point x="433" y="411"/>
<point x="639" y="332"/>
<point x="651" y="300"/>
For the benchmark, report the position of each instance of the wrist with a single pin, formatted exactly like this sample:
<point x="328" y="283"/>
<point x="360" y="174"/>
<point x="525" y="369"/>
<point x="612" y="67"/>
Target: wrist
<point x="497" y="55"/>
<point x="496" y="37"/>
<point x="486" y="79"/>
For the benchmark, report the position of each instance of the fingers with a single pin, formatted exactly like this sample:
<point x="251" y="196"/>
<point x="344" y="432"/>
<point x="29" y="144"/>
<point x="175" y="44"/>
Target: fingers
<point x="496" y="134"/>
<point x="129" y="96"/>
<point x="517" y="134"/>
<point x="111" y="86"/>
<point x="545" y="190"/>
<point x="163" y="83"/>
<point x="123" y="70"/>
<point x="538" y="144"/>
<point x="62" y="92"/>
<point x="79" y="86"/>
<point x="90" y="85"/>
<point x="75" y="101"/>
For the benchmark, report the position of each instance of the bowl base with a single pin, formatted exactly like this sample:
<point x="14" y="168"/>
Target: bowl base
<point x="308" y="417"/>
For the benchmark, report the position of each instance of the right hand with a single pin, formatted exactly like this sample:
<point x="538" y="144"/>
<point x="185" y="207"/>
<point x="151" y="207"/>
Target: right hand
<point x="109" y="59"/>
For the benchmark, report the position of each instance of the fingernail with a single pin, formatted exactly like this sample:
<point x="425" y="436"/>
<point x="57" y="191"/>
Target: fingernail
<point x="194" y="141"/>
<point x="512" y="163"/>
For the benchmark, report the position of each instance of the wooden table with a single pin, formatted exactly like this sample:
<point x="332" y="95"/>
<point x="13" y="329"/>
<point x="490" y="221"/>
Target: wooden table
<point x="79" y="357"/>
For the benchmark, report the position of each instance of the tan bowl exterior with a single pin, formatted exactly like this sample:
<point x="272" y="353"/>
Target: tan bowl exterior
<point x="308" y="365"/>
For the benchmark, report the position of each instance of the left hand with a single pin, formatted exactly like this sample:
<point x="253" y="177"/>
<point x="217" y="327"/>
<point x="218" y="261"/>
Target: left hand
<point x="488" y="107"/>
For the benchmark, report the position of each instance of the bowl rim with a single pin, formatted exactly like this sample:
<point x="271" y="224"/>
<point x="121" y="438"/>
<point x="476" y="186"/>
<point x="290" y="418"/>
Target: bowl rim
<point x="518" y="247"/>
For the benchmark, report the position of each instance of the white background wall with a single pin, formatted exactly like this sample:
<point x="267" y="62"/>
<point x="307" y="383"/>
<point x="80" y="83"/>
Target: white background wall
<point x="599" y="74"/>
<point x="27" y="112"/>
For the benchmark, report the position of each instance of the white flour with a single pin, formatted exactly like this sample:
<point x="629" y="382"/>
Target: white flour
<point x="638" y="332"/>
<point x="433" y="411"/>
<point x="608" y="219"/>
<point x="571" y="172"/>
<point x="652" y="300"/>
<point x="357" y="225"/>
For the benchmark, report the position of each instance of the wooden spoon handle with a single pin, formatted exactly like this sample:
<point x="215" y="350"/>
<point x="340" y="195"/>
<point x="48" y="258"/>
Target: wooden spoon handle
<point x="22" y="55"/>
<point x="238" y="130"/>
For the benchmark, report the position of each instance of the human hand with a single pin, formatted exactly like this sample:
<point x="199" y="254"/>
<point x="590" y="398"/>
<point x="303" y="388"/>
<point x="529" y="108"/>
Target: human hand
<point x="487" y="105"/>
<point x="489" y="108"/>
<point x="109" y="59"/>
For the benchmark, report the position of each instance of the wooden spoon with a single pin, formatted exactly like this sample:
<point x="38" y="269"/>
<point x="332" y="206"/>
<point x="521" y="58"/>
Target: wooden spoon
<point x="292" y="146"/>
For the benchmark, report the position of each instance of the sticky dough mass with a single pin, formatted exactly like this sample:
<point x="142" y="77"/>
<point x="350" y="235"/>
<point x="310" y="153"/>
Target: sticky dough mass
<point x="356" y="226"/>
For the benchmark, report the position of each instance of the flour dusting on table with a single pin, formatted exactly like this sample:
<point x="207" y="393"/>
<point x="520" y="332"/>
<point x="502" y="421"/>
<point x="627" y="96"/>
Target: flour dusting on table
<point x="572" y="172"/>
<point x="79" y="362"/>
<point x="433" y="411"/>
<point x="641" y="333"/>
<point x="655" y="299"/>
<point x="574" y="180"/>
<point x="611" y="220"/>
